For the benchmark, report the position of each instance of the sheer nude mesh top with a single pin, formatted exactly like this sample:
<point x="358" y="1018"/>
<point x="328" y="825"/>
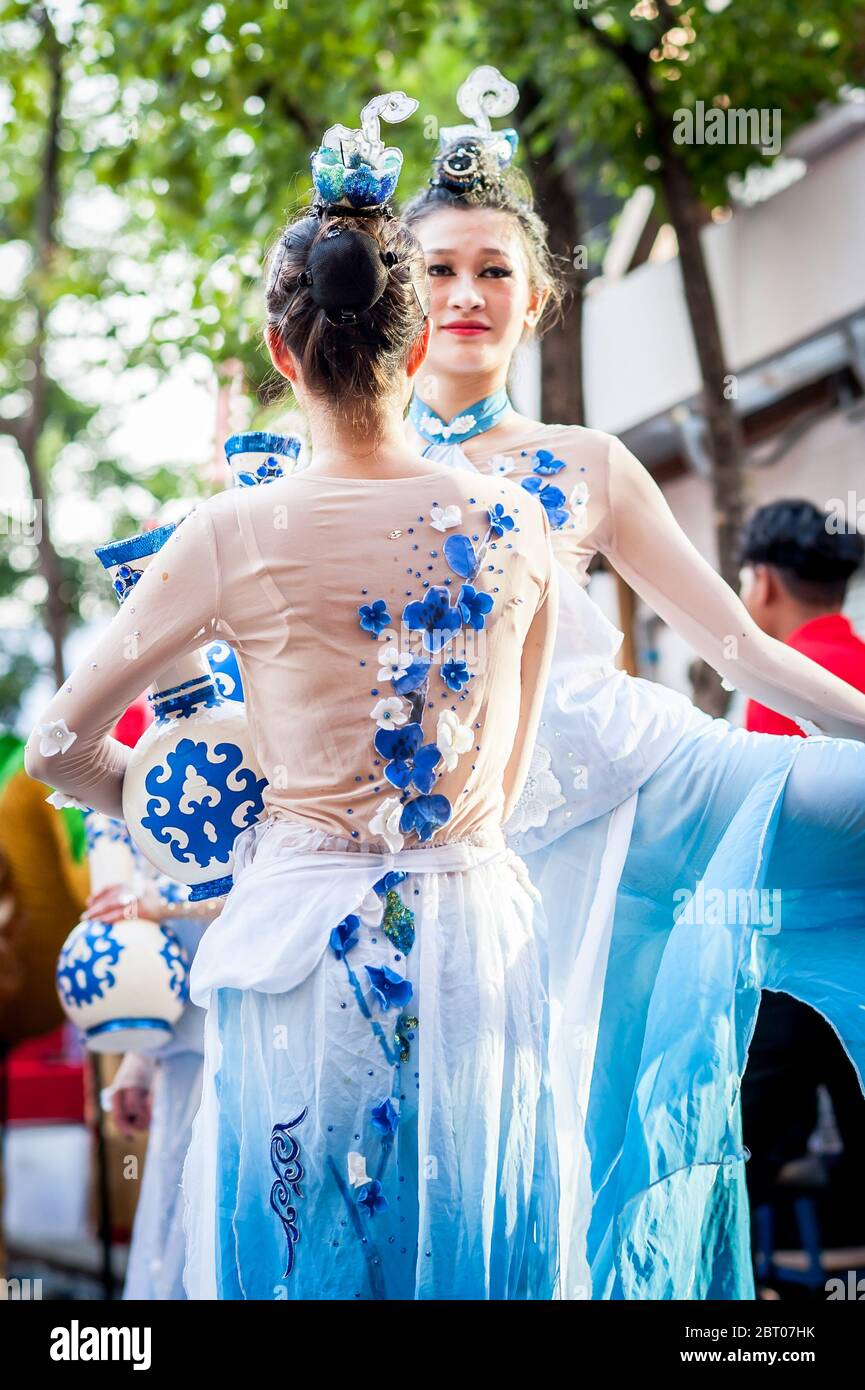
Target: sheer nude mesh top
<point x="393" y="637"/>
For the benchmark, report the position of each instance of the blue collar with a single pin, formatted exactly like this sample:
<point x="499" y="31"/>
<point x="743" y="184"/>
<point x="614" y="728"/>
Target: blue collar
<point x="483" y="415"/>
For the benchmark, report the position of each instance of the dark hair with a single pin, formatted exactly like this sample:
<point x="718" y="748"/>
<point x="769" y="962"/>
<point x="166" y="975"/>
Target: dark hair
<point x="356" y="365"/>
<point x="503" y="190"/>
<point x="814" y="560"/>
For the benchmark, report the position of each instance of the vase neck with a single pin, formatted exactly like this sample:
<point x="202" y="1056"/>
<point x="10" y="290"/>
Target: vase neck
<point x="183" y="687"/>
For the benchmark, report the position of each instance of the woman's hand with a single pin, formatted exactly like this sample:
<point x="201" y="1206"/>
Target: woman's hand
<point x="130" y="1110"/>
<point x="118" y="903"/>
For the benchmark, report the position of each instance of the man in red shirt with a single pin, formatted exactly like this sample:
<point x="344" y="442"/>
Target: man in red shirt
<point x="796" y="567"/>
<point x="794" y="580"/>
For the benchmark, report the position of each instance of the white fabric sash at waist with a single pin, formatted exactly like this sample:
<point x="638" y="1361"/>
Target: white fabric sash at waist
<point x="278" y="917"/>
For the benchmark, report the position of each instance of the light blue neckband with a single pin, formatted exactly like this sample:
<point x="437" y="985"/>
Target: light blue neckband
<point x="483" y="415"/>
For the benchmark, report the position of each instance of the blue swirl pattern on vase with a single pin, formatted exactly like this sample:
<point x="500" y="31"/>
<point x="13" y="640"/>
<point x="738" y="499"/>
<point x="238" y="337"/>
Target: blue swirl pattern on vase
<point x="84" y="969"/>
<point x="218" y="789"/>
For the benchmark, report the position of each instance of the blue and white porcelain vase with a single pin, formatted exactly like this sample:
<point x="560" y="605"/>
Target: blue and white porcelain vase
<point x="123" y="984"/>
<point x="260" y="457"/>
<point x="193" y="782"/>
<point x="254" y="458"/>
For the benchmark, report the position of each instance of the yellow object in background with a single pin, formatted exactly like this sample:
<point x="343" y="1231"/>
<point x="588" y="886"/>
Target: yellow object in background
<point x="50" y="889"/>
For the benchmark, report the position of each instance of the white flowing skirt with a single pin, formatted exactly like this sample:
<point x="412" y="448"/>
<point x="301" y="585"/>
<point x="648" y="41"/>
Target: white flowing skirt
<point x="376" y="1120"/>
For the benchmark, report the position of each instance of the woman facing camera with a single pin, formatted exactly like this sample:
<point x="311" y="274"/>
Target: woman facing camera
<point x="376" y="1118"/>
<point x="684" y="865"/>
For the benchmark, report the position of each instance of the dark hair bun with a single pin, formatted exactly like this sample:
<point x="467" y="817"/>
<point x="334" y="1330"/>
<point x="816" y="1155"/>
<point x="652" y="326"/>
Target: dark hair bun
<point x="346" y="272"/>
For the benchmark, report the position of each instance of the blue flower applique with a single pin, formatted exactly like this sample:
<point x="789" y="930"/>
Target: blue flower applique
<point x="499" y="520"/>
<point x="344" y="936"/>
<point x="374" y="617"/>
<point x="371" y="1198"/>
<point x="455" y="674"/>
<point x="551" y="498"/>
<point x="425" y="761"/>
<point x="425" y="814"/>
<point x="390" y="881"/>
<point x="391" y="990"/>
<point x="385" y="1117"/>
<point x="473" y="604"/>
<point x="461" y="556"/>
<point x="547" y="464"/>
<point x="434" y="616"/>
<point x="412" y="677"/>
<point x="409" y="761"/>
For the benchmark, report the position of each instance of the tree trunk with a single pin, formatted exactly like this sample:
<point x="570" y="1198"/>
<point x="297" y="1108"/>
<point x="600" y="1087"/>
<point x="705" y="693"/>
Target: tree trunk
<point x="562" y="395"/>
<point x="562" y="400"/>
<point x="56" y="613"/>
<point x="723" y="425"/>
<point x="722" y="421"/>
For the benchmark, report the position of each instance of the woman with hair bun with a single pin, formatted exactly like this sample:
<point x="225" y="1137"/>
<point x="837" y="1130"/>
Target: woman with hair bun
<point x="376" y="1117"/>
<point x="684" y="865"/>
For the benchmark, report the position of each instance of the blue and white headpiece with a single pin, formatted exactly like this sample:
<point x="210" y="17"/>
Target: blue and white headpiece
<point x="354" y="169"/>
<point x="484" y="94"/>
<point x="354" y="174"/>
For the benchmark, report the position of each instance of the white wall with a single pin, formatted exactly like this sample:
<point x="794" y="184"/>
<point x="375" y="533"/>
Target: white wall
<point x="781" y="271"/>
<point x="826" y="463"/>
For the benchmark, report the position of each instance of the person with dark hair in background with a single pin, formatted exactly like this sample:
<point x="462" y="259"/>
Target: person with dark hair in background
<point x="795" y="570"/>
<point x="796" y="566"/>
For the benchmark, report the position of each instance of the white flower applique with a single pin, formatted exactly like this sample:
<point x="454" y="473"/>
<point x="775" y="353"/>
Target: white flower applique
<point x="371" y="909"/>
<point x="385" y="823"/>
<point x="460" y="425"/>
<point x="61" y="801"/>
<point x="452" y="738"/>
<point x="55" y="737"/>
<point x="389" y="713"/>
<point x="443" y="518"/>
<point x="357" y="1174"/>
<point x="392" y="663"/>
<point x="541" y="794"/>
<point x="501" y="463"/>
<point x="431" y="425"/>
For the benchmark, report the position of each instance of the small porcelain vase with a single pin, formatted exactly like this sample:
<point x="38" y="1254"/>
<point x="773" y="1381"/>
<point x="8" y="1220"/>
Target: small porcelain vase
<point x="123" y="984"/>
<point x="193" y="782"/>
<point x="254" y="458"/>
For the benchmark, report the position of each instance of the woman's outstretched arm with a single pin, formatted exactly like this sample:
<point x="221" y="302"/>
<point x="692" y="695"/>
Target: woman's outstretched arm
<point x="652" y="553"/>
<point x="172" y="611"/>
